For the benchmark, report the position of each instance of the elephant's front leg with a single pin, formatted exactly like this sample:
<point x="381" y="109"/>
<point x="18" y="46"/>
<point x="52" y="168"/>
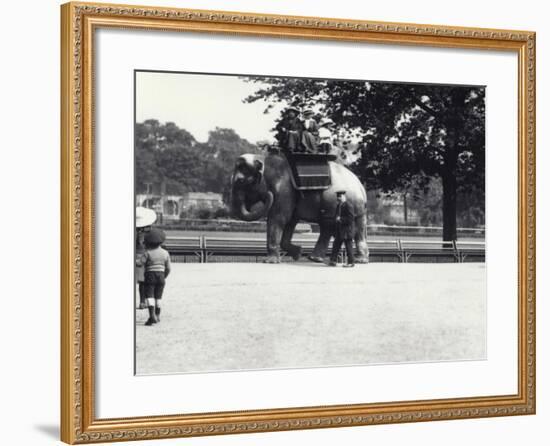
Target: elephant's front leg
<point x="321" y="247"/>
<point x="294" y="251"/>
<point x="274" y="236"/>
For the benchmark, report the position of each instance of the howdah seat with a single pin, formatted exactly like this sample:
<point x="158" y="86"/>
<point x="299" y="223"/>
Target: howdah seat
<point x="310" y="170"/>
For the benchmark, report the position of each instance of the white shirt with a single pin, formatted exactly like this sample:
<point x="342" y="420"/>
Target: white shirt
<point x="325" y="135"/>
<point x="307" y="123"/>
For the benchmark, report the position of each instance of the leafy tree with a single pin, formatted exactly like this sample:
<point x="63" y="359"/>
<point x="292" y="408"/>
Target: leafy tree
<point x="400" y="134"/>
<point x="169" y="155"/>
<point x="146" y="136"/>
<point x="224" y="146"/>
<point x="426" y="200"/>
<point x="162" y="151"/>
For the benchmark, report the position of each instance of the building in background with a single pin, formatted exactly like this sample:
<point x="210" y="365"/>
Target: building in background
<point x="202" y="199"/>
<point x="170" y="207"/>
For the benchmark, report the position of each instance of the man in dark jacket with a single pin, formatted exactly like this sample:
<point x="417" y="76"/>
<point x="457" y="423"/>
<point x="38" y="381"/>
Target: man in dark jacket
<point x="344" y="230"/>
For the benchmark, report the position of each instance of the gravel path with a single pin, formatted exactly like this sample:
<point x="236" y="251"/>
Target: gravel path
<point x="236" y="316"/>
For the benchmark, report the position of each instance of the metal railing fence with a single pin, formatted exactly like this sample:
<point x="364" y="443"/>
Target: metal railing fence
<point x="204" y="249"/>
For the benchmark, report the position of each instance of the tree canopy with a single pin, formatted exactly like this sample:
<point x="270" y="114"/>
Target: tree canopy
<point x="401" y="135"/>
<point x="168" y="154"/>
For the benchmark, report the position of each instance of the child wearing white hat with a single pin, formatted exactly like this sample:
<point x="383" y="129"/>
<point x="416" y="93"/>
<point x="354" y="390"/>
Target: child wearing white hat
<point x="144" y="219"/>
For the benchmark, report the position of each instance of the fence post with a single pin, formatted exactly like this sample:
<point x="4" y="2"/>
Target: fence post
<point x="402" y="255"/>
<point x="458" y="257"/>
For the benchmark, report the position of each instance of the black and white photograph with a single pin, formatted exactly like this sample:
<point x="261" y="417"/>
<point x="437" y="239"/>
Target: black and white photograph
<point x="288" y="222"/>
<point x="269" y="223"/>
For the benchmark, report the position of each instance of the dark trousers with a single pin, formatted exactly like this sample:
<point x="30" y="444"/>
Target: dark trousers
<point x="336" y="249"/>
<point x="154" y="284"/>
<point x="294" y="141"/>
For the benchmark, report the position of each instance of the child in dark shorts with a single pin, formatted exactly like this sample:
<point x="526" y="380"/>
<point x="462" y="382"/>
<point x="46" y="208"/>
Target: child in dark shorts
<point x="144" y="219"/>
<point x="157" y="268"/>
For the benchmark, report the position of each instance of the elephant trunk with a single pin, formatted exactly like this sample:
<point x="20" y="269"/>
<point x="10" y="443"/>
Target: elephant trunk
<point x="256" y="212"/>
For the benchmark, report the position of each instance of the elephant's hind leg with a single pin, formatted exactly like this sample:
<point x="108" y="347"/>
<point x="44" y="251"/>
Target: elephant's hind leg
<point x="361" y="240"/>
<point x="294" y="251"/>
<point x="321" y="247"/>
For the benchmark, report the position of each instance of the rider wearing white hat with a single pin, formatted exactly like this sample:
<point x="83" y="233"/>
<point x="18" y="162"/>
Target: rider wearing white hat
<point x="309" y="135"/>
<point x="325" y="135"/>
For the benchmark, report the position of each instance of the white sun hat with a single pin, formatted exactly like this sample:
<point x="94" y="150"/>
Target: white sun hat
<point x="145" y="217"/>
<point x="326" y="121"/>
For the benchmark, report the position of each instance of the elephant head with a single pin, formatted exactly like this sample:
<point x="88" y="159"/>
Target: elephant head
<point x="250" y="197"/>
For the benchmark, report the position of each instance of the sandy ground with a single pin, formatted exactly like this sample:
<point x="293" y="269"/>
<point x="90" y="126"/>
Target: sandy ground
<point x="234" y="316"/>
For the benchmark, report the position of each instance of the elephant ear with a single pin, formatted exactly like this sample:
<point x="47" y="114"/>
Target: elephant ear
<point x="260" y="168"/>
<point x="259" y="165"/>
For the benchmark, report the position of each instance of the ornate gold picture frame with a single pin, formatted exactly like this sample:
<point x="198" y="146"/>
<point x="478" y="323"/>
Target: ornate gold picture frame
<point x="79" y="23"/>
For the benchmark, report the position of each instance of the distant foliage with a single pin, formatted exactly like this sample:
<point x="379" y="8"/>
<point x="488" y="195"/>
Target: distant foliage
<point x="166" y="153"/>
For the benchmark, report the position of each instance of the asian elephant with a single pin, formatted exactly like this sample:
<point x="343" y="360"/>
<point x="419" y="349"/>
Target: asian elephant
<point x="262" y="186"/>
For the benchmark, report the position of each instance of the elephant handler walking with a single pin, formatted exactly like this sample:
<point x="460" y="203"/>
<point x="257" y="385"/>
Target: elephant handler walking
<point x="344" y="230"/>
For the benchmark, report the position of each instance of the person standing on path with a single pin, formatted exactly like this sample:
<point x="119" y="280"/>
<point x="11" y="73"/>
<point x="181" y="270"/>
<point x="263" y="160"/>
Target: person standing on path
<point x="344" y="230"/>
<point x="144" y="219"/>
<point x="157" y="268"/>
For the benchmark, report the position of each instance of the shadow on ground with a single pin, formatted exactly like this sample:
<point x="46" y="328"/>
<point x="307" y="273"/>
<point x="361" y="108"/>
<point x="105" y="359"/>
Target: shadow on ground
<point x="49" y="430"/>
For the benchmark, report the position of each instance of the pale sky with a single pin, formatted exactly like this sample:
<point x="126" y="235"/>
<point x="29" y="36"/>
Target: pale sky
<point x="199" y="103"/>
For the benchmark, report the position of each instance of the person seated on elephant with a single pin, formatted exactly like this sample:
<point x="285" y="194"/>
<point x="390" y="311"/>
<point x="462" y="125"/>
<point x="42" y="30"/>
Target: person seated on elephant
<point x="309" y="135"/>
<point x="325" y="135"/>
<point x="290" y="129"/>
